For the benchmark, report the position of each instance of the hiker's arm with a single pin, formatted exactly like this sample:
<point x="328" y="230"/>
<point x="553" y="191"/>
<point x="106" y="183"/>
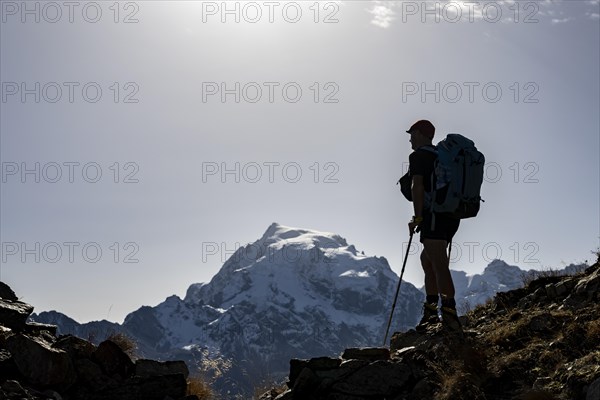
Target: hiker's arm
<point x="418" y="195"/>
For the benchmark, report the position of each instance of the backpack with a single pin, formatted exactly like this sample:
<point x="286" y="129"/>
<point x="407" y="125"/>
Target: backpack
<point x="457" y="178"/>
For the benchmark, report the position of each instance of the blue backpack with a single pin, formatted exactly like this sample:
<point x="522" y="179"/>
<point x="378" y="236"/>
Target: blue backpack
<point x="457" y="178"/>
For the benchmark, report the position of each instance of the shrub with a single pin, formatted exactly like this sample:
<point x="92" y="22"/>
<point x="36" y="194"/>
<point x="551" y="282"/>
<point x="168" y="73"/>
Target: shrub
<point x="127" y="344"/>
<point x="197" y="386"/>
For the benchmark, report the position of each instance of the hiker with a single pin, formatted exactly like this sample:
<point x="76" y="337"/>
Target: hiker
<point x="437" y="230"/>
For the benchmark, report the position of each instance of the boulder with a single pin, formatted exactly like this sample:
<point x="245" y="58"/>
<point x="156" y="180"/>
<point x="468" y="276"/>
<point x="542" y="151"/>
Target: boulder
<point x="35" y="328"/>
<point x="366" y="353"/>
<point x="593" y="391"/>
<point x="305" y="383"/>
<point x="138" y="388"/>
<point x="76" y="347"/>
<point x="314" y="364"/>
<point x="346" y="368"/>
<point x="12" y="389"/>
<point x="91" y="376"/>
<point x="147" y="368"/>
<point x="411" y="338"/>
<point x="378" y="379"/>
<point x="14" y="314"/>
<point x="8" y="368"/>
<point x="287" y="395"/>
<point x="589" y="285"/>
<point x="39" y="363"/>
<point x="6" y="292"/>
<point x="113" y="360"/>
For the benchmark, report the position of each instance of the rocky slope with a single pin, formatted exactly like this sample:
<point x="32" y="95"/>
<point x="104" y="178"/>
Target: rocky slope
<point x="35" y="364"/>
<point x="541" y="342"/>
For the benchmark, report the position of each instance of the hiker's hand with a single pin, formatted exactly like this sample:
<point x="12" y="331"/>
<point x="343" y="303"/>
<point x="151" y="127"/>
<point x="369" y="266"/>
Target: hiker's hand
<point x="413" y="227"/>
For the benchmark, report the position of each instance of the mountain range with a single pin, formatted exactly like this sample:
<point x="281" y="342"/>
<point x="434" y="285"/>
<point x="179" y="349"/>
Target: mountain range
<point x="293" y="293"/>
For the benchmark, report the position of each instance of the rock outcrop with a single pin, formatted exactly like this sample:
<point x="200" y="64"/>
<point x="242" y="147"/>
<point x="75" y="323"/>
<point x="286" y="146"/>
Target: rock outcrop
<point x="538" y="342"/>
<point x="36" y="364"/>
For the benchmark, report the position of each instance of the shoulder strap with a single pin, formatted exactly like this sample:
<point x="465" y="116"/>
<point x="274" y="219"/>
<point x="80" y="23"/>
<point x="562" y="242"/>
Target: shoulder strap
<point x="429" y="148"/>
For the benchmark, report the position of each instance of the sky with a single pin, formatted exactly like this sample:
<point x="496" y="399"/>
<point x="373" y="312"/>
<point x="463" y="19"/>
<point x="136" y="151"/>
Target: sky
<point x="142" y="143"/>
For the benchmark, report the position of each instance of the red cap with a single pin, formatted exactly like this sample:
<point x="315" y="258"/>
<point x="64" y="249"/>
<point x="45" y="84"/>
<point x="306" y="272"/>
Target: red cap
<point x="423" y="126"/>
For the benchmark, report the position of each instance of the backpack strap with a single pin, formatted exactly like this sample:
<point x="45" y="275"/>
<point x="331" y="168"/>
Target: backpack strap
<point x="431" y="149"/>
<point x="433" y="196"/>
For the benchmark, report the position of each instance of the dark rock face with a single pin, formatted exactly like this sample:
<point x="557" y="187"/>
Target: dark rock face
<point x="359" y="374"/>
<point x="39" y="363"/>
<point x="35" y="364"/>
<point x="113" y="360"/>
<point x="7" y="293"/>
<point x="147" y="368"/>
<point x="13" y="314"/>
<point x="76" y="347"/>
<point x="138" y="388"/>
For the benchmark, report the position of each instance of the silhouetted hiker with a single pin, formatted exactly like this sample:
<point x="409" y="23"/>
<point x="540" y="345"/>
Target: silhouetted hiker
<point x="434" y="236"/>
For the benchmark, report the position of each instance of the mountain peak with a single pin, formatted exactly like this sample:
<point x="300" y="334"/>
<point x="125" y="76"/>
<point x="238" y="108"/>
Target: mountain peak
<point x="500" y="266"/>
<point x="277" y="232"/>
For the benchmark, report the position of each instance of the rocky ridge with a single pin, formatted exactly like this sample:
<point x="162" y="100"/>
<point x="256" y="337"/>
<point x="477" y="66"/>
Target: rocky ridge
<point x="36" y="364"/>
<point x="540" y="342"/>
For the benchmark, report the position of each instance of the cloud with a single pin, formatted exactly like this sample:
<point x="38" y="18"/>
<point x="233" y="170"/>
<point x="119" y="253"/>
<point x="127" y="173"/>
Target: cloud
<point x="561" y="20"/>
<point x="452" y="11"/>
<point x="382" y="13"/>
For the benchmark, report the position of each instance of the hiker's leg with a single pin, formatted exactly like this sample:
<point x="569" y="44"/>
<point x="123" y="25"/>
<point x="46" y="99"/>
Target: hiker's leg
<point x="431" y="288"/>
<point x="436" y="253"/>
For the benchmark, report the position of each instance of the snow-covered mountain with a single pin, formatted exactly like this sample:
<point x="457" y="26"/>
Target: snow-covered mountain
<point x="475" y="289"/>
<point x="498" y="276"/>
<point x="293" y="293"/>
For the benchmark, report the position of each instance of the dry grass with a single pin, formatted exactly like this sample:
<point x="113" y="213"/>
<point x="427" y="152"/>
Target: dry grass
<point x="197" y="386"/>
<point x="462" y="368"/>
<point x="518" y="344"/>
<point x="126" y="343"/>
<point x="464" y="307"/>
<point x="593" y="332"/>
<point x="529" y="276"/>
<point x="460" y="385"/>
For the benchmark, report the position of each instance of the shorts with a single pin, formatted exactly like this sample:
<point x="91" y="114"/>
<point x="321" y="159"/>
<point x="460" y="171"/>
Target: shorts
<point x="445" y="227"/>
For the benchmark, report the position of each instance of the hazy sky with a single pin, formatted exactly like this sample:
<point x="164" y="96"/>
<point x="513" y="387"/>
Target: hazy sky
<point x="205" y="130"/>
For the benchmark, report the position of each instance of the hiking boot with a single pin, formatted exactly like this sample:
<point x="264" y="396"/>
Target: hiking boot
<point x="450" y="320"/>
<point x="430" y="316"/>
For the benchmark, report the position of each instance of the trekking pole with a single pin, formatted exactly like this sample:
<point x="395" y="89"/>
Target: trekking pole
<point x="397" y="290"/>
